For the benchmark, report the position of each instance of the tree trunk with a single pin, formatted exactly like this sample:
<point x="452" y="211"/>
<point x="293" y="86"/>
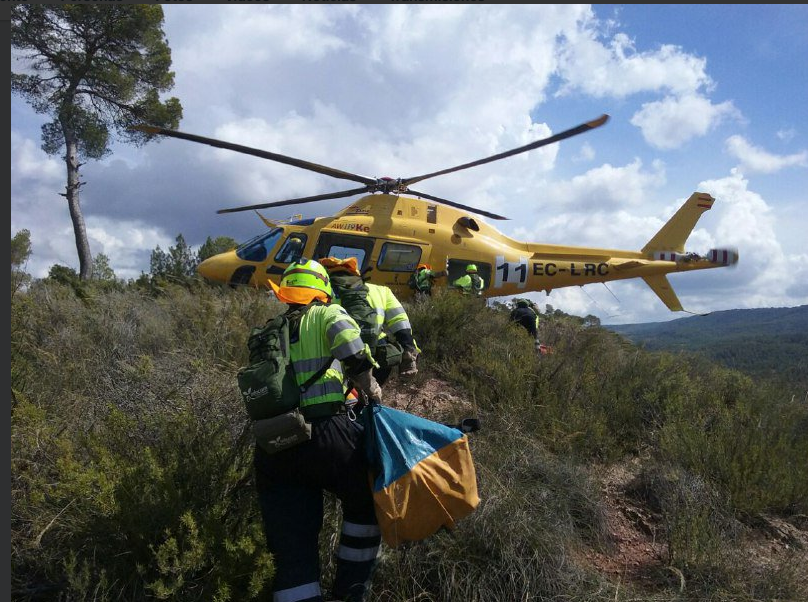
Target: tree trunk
<point x="72" y="195"/>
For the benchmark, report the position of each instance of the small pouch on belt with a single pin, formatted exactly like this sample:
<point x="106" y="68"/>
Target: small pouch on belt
<point x="281" y="432"/>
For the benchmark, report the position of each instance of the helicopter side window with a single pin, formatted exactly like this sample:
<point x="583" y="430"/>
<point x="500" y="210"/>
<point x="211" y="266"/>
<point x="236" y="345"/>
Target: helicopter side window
<point x="292" y="249"/>
<point x="345" y="252"/>
<point x="257" y="249"/>
<point x="342" y="246"/>
<point x="397" y="257"/>
<point x="457" y="268"/>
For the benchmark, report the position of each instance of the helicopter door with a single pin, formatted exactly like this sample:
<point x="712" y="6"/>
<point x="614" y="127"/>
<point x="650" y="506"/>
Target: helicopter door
<point x="457" y="268"/>
<point x="343" y="246"/>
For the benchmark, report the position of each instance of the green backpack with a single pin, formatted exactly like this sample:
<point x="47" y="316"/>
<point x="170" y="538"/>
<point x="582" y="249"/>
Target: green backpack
<point x="352" y="294"/>
<point x="267" y="384"/>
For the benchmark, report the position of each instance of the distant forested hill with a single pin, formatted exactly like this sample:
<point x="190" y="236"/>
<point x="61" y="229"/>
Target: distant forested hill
<point x="769" y="343"/>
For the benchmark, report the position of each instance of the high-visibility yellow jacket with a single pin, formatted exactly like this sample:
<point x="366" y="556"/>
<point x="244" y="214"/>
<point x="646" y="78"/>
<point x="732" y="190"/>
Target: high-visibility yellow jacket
<point x="467" y="285"/>
<point x="327" y="334"/>
<point x="424" y="279"/>
<point x="390" y="313"/>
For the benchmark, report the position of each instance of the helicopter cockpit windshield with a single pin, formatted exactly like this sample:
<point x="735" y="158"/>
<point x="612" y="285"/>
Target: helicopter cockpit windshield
<point x="258" y="248"/>
<point x="292" y="249"/>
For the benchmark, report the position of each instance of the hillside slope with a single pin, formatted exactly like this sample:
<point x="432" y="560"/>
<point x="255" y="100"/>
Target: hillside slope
<point x="769" y="343"/>
<point x="605" y="473"/>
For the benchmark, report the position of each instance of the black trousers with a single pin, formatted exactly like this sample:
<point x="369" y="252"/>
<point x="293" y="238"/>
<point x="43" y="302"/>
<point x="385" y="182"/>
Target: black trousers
<point x="290" y="493"/>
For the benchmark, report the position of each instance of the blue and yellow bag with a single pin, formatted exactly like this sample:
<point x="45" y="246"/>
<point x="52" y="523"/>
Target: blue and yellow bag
<point x="423" y="477"/>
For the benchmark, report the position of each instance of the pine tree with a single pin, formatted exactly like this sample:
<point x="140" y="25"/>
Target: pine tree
<point x="101" y="269"/>
<point x="179" y="262"/>
<point x="214" y="246"/>
<point x="92" y="68"/>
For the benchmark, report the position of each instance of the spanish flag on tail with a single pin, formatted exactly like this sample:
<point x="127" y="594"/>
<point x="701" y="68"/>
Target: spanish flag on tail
<point x="423" y="475"/>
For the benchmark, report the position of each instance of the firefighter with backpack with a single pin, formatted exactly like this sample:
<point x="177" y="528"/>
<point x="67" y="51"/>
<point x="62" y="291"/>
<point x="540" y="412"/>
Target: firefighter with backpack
<point x="291" y="482"/>
<point x="526" y="315"/>
<point x="423" y="279"/>
<point x="394" y="344"/>
<point x="471" y="283"/>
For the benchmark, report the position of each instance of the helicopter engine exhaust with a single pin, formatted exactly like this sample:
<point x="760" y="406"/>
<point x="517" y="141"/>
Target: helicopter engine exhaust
<point x="468" y="223"/>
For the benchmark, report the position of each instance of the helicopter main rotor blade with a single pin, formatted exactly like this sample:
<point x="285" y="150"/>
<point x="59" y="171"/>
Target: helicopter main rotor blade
<point x="457" y="205"/>
<point x="300" y="201"/>
<point x="579" y="129"/>
<point x="322" y="169"/>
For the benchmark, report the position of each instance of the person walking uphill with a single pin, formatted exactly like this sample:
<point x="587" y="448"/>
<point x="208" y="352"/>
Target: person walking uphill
<point x="395" y="344"/>
<point x="471" y="283"/>
<point x="290" y="482"/>
<point x="526" y="316"/>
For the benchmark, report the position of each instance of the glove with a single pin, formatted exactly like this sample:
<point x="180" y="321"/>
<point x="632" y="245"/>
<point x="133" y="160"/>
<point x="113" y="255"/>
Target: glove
<point x="366" y="384"/>
<point x="408" y="366"/>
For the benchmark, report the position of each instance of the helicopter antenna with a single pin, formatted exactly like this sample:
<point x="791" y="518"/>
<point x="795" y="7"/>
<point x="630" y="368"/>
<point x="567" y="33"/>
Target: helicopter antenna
<point x="591" y="298"/>
<point x="610" y="290"/>
<point x="384" y="185"/>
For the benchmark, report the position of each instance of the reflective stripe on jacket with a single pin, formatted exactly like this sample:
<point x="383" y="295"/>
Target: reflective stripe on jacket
<point x="326" y="332"/>
<point x="389" y="312"/>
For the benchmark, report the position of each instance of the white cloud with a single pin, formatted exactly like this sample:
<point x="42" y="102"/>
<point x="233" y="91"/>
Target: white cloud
<point x="128" y="245"/>
<point x="399" y="91"/>
<point x="257" y="39"/>
<point x="36" y="205"/>
<point x="756" y="160"/>
<point x="600" y="208"/>
<point x="616" y="68"/>
<point x="673" y="121"/>
<point x="746" y="222"/>
<point x="586" y="154"/>
<point x="786" y="135"/>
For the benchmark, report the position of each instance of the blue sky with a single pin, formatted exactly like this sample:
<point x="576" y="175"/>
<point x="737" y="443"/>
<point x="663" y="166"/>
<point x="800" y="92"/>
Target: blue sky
<point x="711" y="98"/>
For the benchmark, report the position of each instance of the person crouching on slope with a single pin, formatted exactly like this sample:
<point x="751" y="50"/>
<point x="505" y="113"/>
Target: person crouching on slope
<point x="290" y="483"/>
<point x="525" y="314"/>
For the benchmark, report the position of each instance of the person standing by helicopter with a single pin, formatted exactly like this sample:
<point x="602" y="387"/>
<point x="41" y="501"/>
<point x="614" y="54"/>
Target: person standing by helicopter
<point x="291" y="482"/>
<point x="471" y="283"/>
<point x="423" y="279"/>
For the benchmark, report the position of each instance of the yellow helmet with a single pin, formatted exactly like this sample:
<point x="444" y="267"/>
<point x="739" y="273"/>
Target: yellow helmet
<point x="302" y="282"/>
<point x="471" y="269"/>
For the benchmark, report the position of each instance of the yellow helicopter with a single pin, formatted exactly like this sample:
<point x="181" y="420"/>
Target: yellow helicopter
<point x="391" y="232"/>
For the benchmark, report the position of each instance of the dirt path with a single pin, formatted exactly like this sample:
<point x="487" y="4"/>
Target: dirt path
<point x="638" y="552"/>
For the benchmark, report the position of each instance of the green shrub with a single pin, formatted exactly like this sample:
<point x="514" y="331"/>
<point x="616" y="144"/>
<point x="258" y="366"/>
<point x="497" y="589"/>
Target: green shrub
<point x="131" y="461"/>
<point x="130" y="453"/>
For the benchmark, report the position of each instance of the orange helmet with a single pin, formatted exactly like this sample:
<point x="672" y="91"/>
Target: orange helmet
<point x="332" y="264"/>
<point x="423" y="266"/>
